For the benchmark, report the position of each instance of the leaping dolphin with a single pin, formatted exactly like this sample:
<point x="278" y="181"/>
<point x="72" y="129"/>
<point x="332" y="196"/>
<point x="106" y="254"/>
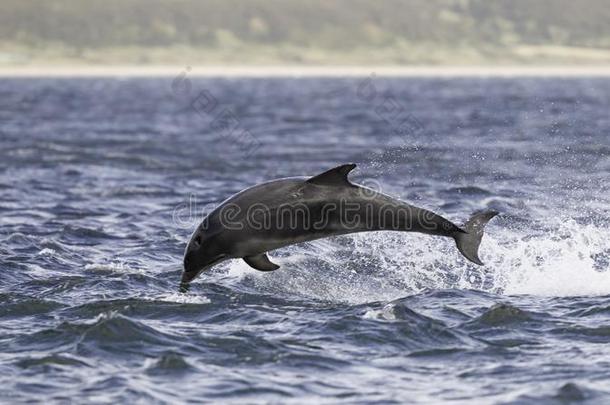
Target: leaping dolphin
<point x="286" y="211"/>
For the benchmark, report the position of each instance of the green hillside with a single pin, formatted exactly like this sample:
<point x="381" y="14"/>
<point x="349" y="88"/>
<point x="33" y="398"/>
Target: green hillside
<point x="308" y="32"/>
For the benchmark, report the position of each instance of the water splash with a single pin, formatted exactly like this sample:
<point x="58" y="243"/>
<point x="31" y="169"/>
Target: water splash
<point x="563" y="259"/>
<point x="566" y="260"/>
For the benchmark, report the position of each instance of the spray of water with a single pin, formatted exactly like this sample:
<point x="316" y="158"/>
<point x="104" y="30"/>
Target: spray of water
<point x="565" y="258"/>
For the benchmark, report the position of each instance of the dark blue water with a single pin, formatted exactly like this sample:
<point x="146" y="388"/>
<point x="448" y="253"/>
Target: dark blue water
<point x="103" y="180"/>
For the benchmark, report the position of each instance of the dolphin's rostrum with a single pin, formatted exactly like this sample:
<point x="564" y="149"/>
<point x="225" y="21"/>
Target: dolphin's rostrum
<point x="298" y="209"/>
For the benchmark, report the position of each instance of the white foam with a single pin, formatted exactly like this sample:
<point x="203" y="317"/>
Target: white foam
<point x="116" y="266"/>
<point x="566" y="259"/>
<point x="386" y="313"/>
<point x="47" y="252"/>
<point x="181" y="298"/>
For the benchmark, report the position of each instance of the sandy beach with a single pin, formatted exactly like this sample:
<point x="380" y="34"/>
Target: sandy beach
<point x="300" y="71"/>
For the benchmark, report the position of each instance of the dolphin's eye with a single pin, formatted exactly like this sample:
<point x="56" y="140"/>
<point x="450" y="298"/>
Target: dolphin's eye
<point x="198" y="239"/>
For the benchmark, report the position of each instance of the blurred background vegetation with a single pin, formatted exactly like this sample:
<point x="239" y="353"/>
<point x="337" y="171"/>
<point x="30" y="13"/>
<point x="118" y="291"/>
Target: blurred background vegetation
<point x="320" y="32"/>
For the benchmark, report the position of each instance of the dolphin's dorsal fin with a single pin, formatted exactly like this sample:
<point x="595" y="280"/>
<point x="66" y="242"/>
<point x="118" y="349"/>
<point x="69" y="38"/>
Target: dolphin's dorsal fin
<point x="261" y="262"/>
<point x="334" y="177"/>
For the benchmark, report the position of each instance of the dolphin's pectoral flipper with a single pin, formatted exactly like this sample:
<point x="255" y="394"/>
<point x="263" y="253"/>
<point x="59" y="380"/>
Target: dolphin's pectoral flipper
<point x="261" y="262"/>
<point x="468" y="242"/>
<point x="334" y="177"/>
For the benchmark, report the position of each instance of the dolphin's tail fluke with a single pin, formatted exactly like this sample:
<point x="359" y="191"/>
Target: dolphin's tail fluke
<point x="468" y="241"/>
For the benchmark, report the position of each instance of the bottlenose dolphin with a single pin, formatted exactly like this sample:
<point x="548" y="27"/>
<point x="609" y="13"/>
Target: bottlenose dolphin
<point x="282" y="212"/>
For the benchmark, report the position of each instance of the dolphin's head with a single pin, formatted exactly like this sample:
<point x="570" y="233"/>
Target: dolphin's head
<point x="202" y="252"/>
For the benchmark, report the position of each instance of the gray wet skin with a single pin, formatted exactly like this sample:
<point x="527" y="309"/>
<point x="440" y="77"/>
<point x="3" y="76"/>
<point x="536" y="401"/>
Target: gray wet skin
<point x="283" y="212"/>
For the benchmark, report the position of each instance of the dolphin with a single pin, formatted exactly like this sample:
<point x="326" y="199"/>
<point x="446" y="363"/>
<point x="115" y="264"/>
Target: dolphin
<point x="291" y="210"/>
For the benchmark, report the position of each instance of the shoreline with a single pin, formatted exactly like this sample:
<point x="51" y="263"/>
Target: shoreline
<point x="300" y="71"/>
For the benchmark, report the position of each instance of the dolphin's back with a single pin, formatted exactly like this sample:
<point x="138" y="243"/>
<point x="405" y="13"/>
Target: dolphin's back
<point x="292" y="210"/>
